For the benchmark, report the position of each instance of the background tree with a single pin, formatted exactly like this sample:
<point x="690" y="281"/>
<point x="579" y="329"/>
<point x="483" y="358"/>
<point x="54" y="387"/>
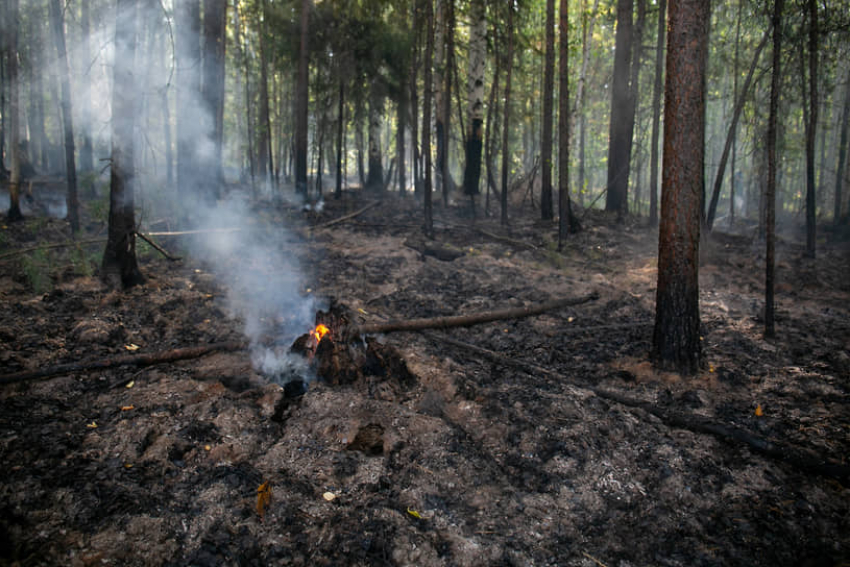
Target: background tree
<point x="189" y="115"/>
<point x="14" y="212"/>
<point x="301" y="102"/>
<point x="566" y="222"/>
<point x="770" y="191"/>
<point x="475" y="97"/>
<point x="212" y="91"/>
<point x="119" y="266"/>
<point x="811" y="130"/>
<point x="656" y="115"/>
<point x="506" y="122"/>
<point x="547" y="211"/>
<point x="620" y="133"/>
<point x="676" y="338"/>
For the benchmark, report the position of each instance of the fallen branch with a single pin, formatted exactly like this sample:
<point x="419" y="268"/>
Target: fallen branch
<point x="350" y="216"/>
<point x="157" y="247"/>
<point x="49" y="246"/>
<point x="469" y="320"/>
<point x="802" y="459"/>
<point x="126" y="360"/>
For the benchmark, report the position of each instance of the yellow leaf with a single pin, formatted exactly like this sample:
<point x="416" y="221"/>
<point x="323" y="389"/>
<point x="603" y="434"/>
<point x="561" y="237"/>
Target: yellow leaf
<point x="759" y="412"/>
<point x="414" y="513"/>
<point x="264" y="497"/>
<point x="711" y="368"/>
<point x="130" y="384"/>
<point x="127" y="408"/>
<point x="92" y="425"/>
<point x="131" y="347"/>
<point x="128" y="465"/>
<point x="207" y="448"/>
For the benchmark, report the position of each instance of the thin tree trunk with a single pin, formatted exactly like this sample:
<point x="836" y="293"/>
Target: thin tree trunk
<point x="86" y="151"/>
<point x="414" y="99"/>
<point x="301" y="102"/>
<point x="401" y="123"/>
<point x="619" y="132"/>
<point x="634" y="91"/>
<point x="14" y="212"/>
<point x="547" y="207"/>
<point x="730" y="137"/>
<point x="187" y="24"/>
<point x="67" y="120"/>
<point x="507" y="114"/>
<point x="811" y="131"/>
<point x="656" y="115"/>
<point x="444" y="162"/>
<point x="566" y="222"/>
<point x="426" y="119"/>
<point x="733" y="158"/>
<point x="212" y="90"/>
<point x="119" y="265"/>
<point x="842" y="153"/>
<point x="770" y="196"/>
<point x="579" y="109"/>
<point x="475" y="94"/>
<point x="490" y="137"/>
<point x="375" y="179"/>
<point x="340" y="129"/>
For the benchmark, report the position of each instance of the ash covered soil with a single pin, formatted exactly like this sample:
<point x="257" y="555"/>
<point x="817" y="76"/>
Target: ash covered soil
<point x="446" y="456"/>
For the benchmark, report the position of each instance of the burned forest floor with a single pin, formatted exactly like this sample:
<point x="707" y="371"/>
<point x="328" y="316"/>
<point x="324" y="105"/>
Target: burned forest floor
<point x="545" y="440"/>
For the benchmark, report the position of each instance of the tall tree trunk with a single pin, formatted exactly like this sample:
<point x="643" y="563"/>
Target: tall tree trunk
<point x="188" y="23"/>
<point x="619" y="132"/>
<point x="475" y="95"/>
<point x="401" y="126"/>
<point x="581" y="100"/>
<point x="634" y="91"/>
<point x="340" y="130"/>
<point x="444" y="161"/>
<point x="119" y="265"/>
<point x="811" y="131"/>
<point x="375" y="179"/>
<point x="490" y="137"/>
<point x="439" y="85"/>
<point x="414" y="98"/>
<point x="656" y="115"/>
<point x="14" y="212"/>
<point x="212" y="91"/>
<point x="547" y="207"/>
<point x="86" y="150"/>
<point x="730" y="137"/>
<point x="264" y="144"/>
<point x="770" y="193"/>
<point x="507" y="114"/>
<point x="566" y="222"/>
<point x="842" y="153"/>
<point x="67" y="120"/>
<point x="426" y="119"/>
<point x="676" y="339"/>
<point x="733" y="158"/>
<point x="301" y="101"/>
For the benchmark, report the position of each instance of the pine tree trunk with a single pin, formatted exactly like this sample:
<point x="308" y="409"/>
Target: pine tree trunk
<point x="547" y="208"/>
<point x="566" y="222"/>
<point x="14" y="212"/>
<point x="428" y="227"/>
<point x="770" y="192"/>
<point x="842" y="154"/>
<point x="656" y="115"/>
<point x="187" y="16"/>
<point x="58" y="29"/>
<point x="212" y="92"/>
<point x="301" y="102"/>
<point x="811" y="132"/>
<point x="619" y="131"/>
<point x="676" y="342"/>
<point x="119" y="265"/>
<point x="507" y="114"/>
<point x="375" y="179"/>
<point x="475" y="94"/>
<point x="86" y="150"/>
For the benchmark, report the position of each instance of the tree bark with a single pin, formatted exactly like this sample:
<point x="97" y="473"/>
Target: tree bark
<point x="509" y="56"/>
<point x="842" y="154"/>
<point x="119" y="265"/>
<point x="770" y="192"/>
<point x="426" y="120"/>
<point x="656" y="116"/>
<point x="301" y="102"/>
<point x="444" y="163"/>
<point x="187" y="24"/>
<point x="212" y="92"/>
<point x="811" y="132"/>
<point x="57" y="26"/>
<point x="375" y="179"/>
<point x="566" y="221"/>
<point x="730" y="137"/>
<point x="676" y="341"/>
<point x="86" y="150"/>
<point x="475" y="94"/>
<point x="619" y="132"/>
<point x="547" y="206"/>
<point x="14" y="212"/>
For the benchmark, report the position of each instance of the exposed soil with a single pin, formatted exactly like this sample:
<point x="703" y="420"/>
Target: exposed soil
<point x="434" y="455"/>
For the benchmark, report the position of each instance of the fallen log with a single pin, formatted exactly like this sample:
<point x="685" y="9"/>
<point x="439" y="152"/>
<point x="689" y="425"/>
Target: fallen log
<point x="350" y="216"/>
<point x="150" y="359"/>
<point x="800" y="458"/>
<point x="447" y="322"/>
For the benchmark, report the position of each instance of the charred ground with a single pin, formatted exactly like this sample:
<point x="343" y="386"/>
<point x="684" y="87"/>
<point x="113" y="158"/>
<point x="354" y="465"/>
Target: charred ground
<point x="463" y="461"/>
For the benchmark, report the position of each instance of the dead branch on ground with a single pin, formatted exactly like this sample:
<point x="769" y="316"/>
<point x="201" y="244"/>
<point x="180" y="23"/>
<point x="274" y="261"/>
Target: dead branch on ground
<point x="172" y="355"/>
<point x="157" y="247"/>
<point x="469" y="320"/>
<point x="350" y="216"/>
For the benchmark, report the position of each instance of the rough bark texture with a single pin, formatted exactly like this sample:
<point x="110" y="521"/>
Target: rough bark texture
<point x="656" y="116"/>
<point x="188" y="23"/>
<point x="14" y="212"/>
<point x="58" y="30"/>
<point x="547" y="208"/>
<point x="212" y="91"/>
<point x="619" y="131"/>
<point x="301" y="98"/>
<point x="375" y="179"/>
<point x="507" y="115"/>
<point x="119" y="259"/>
<point x="676" y="339"/>
<point x="770" y="192"/>
<point x="475" y="94"/>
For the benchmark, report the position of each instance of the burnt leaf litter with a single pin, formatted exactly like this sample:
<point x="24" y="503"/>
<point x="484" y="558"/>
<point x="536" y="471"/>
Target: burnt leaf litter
<point x="409" y="448"/>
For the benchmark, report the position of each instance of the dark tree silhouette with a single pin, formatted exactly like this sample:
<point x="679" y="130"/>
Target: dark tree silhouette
<point x="620" y="133"/>
<point x="770" y="192"/>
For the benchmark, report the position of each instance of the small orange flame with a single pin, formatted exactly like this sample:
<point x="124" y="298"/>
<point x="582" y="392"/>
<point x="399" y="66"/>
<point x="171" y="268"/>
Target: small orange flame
<point x="319" y="332"/>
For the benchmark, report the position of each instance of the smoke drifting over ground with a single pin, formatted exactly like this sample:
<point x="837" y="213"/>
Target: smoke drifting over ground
<point x="265" y="283"/>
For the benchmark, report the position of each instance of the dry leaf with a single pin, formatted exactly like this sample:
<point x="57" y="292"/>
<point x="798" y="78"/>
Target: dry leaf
<point x="130" y="384"/>
<point x="415" y="514"/>
<point x="92" y="425"/>
<point x="127" y="408"/>
<point x="264" y="497"/>
<point x="759" y="412"/>
<point x="329" y="496"/>
<point x="132" y="347"/>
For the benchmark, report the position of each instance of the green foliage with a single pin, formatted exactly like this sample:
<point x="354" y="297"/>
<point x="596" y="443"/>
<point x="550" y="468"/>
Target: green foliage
<point x="36" y="270"/>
